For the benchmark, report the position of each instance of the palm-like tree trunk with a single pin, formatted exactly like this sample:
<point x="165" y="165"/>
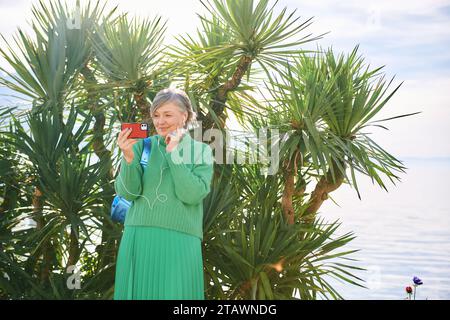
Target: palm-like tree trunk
<point x="321" y="191"/>
<point x="46" y="248"/>
<point x="291" y="169"/>
<point x="318" y="196"/>
<point x="217" y="104"/>
<point x="287" y="197"/>
<point x="74" y="249"/>
<point x="143" y="106"/>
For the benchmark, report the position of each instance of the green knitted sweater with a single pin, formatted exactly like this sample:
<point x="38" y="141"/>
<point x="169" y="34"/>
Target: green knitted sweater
<point x="170" y="193"/>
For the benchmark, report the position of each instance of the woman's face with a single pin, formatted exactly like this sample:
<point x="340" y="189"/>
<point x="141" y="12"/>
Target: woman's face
<point x="168" y="118"/>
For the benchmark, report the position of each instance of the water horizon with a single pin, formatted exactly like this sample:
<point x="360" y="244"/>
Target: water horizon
<point x="402" y="233"/>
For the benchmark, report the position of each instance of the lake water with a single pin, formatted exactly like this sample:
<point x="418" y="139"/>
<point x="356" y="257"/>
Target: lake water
<point x="401" y="233"/>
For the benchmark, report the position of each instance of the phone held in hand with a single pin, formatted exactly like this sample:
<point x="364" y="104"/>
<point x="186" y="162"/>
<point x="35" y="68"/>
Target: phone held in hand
<point x="138" y="130"/>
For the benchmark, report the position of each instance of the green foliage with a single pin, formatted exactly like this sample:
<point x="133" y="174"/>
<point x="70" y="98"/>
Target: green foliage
<point x="254" y="253"/>
<point x="128" y="50"/>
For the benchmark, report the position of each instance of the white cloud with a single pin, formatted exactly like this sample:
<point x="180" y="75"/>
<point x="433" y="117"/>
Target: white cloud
<point x="422" y="135"/>
<point x="408" y="37"/>
<point x="14" y="14"/>
<point x="180" y="15"/>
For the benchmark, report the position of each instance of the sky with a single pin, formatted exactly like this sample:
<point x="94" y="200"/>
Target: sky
<point x="410" y="38"/>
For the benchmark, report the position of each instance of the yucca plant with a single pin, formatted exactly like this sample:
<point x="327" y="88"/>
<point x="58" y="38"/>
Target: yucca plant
<point x="235" y="36"/>
<point x="46" y="71"/>
<point x="128" y="52"/>
<point x="68" y="182"/>
<point x="321" y="104"/>
<point x="261" y="238"/>
<point x="252" y="252"/>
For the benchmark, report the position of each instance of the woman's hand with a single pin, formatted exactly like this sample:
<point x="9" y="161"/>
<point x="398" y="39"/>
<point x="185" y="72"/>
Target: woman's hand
<point x="173" y="138"/>
<point x="126" y="145"/>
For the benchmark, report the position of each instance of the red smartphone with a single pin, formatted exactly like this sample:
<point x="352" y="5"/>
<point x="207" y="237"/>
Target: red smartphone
<point x="138" y="130"/>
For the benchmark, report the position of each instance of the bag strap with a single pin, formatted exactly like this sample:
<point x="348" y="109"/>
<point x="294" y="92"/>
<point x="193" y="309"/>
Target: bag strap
<point x="144" y="157"/>
<point x="146" y="152"/>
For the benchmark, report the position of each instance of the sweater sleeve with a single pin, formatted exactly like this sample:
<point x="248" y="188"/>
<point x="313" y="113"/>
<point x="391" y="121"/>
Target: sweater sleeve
<point x="128" y="183"/>
<point x="191" y="185"/>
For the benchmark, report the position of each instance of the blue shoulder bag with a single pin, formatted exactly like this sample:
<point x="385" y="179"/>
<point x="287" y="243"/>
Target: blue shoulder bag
<point x="120" y="205"/>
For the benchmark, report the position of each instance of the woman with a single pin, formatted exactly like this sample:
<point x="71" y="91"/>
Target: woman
<point x="160" y="253"/>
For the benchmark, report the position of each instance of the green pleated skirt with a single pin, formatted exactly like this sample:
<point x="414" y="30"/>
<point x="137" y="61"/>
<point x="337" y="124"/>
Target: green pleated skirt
<point x="158" y="264"/>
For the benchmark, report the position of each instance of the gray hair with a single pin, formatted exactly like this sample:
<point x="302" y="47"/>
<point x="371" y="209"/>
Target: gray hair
<point x="177" y="96"/>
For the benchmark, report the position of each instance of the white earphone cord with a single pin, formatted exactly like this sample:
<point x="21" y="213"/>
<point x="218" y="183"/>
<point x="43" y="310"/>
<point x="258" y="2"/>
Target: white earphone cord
<point x="160" y="197"/>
